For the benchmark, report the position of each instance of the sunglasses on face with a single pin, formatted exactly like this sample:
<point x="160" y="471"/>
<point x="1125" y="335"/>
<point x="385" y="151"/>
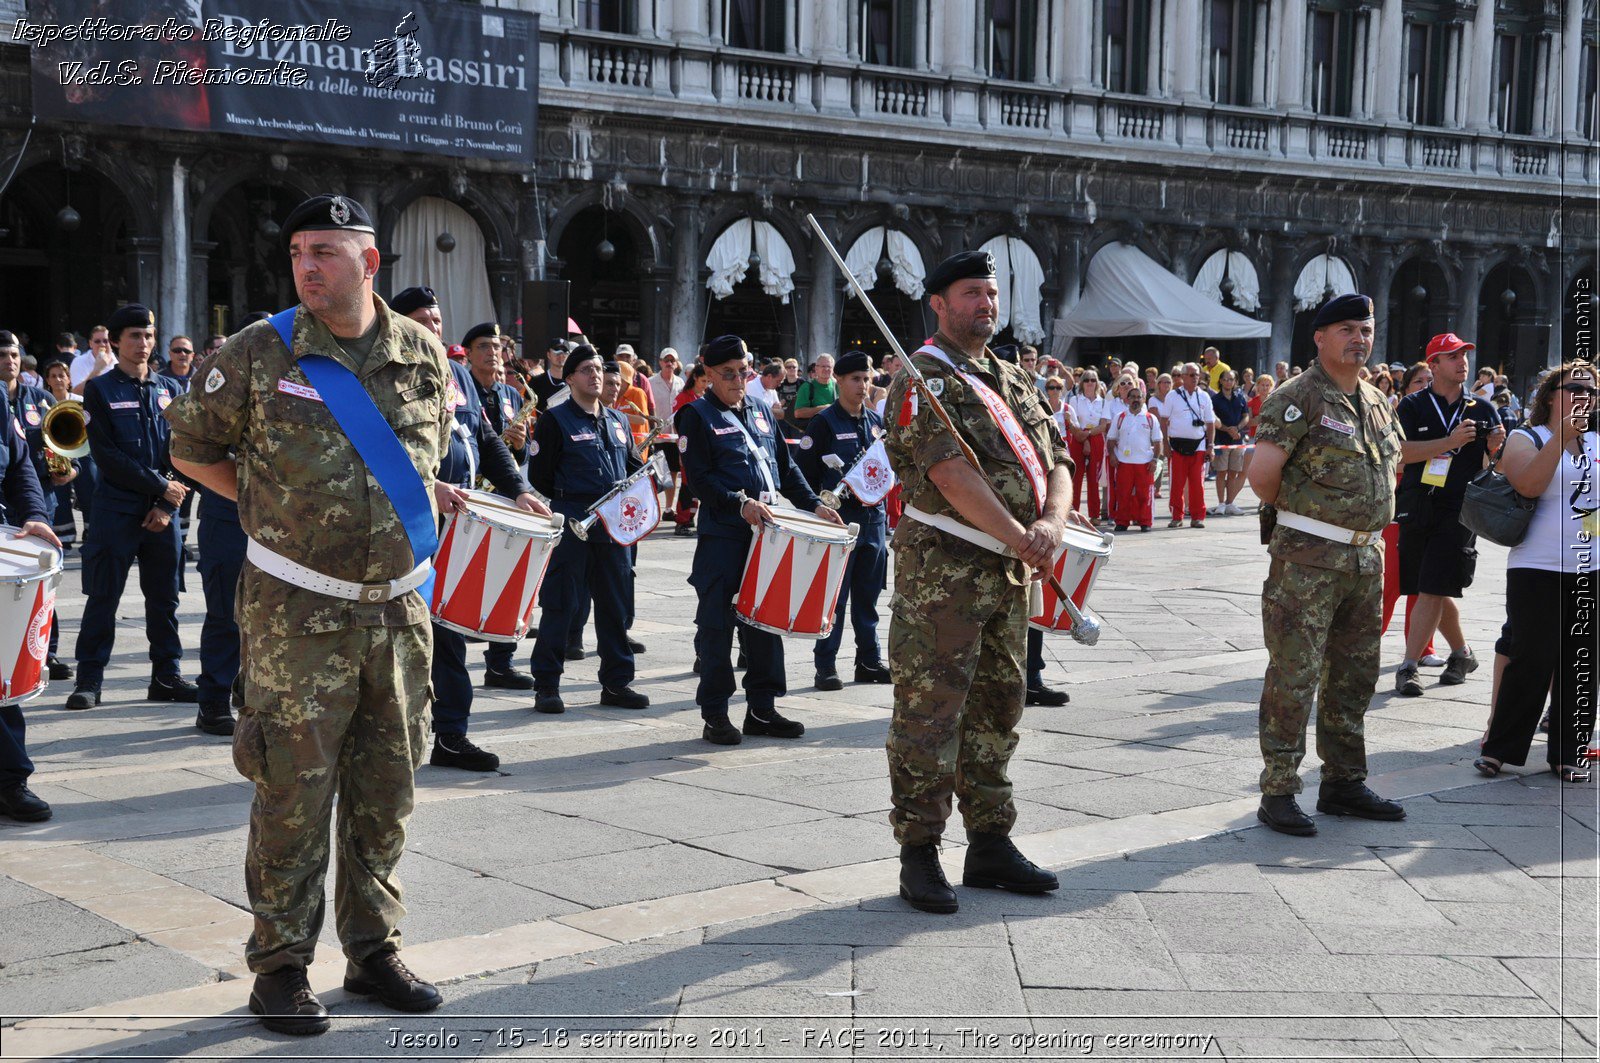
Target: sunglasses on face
<point x="1052" y="387"/>
<point x="1581" y="391"/>
<point x="181" y="350"/>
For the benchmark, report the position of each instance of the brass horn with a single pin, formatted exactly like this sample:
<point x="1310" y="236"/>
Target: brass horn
<point x="66" y="430"/>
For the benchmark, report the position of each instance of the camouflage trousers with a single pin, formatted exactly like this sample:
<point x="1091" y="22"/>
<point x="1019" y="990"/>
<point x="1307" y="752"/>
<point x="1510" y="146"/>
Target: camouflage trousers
<point x="959" y="624"/>
<point x="1322" y="629"/>
<point x="340" y="712"/>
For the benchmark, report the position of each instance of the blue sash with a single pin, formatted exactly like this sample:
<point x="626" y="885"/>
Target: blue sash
<point x="375" y="441"/>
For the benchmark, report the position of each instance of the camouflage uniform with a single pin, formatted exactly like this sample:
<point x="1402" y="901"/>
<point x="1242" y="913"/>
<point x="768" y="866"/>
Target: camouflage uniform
<point x="333" y="694"/>
<point x="1322" y="603"/>
<point x="960" y="612"/>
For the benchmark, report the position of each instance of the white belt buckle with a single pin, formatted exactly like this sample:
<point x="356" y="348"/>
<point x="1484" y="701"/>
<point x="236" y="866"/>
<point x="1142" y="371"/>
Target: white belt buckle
<point x="376" y="592"/>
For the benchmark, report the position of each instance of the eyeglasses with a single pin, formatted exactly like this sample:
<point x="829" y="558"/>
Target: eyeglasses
<point x="180" y="350"/>
<point x="728" y="378"/>
<point x="1053" y="387"/>
<point x="1580" y="390"/>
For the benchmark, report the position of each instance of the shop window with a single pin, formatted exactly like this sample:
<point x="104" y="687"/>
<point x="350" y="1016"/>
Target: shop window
<point x="1013" y="37"/>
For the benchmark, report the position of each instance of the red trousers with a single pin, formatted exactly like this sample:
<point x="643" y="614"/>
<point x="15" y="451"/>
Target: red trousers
<point x="1134" y="501"/>
<point x="1187" y="472"/>
<point x="1087" y="457"/>
<point x="1391" y="583"/>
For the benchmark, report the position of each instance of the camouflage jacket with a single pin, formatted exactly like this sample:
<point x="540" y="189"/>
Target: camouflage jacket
<point x="303" y="490"/>
<point x="1343" y="452"/>
<point x="918" y="440"/>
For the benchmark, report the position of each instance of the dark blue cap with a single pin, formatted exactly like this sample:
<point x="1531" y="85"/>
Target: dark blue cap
<point x="1351" y="307"/>
<point x="959" y="267"/>
<point x="478" y="332"/>
<point x="852" y="362"/>
<point x="724" y="349"/>
<point x="412" y="299"/>
<point x="327" y="212"/>
<point x="131" y="316"/>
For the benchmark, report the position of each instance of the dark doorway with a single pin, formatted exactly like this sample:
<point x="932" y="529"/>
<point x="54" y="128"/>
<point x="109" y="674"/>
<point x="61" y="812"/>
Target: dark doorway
<point x="908" y="318"/>
<point x="57" y="277"/>
<point x="247" y="270"/>
<point x="600" y="256"/>
<point x="766" y="324"/>
<point x="1419" y="302"/>
<point x="1513" y="337"/>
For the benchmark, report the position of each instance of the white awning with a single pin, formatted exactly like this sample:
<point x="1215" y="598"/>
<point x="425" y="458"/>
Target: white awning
<point x="1238" y="269"/>
<point x="1128" y="294"/>
<point x="1019" y="278"/>
<point x="905" y="261"/>
<point x="1322" y="278"/>
<point x="729" y="259"/>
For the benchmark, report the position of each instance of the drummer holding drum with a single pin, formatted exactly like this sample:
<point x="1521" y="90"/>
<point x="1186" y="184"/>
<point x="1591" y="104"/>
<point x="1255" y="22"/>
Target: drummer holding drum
<point x="732" y="453"/>
<point x="580" y="450"/>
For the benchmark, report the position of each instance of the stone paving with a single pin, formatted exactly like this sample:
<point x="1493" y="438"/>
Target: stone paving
<point x="622" y="890"/>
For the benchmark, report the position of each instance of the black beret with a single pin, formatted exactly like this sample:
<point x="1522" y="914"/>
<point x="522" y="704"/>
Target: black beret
<point x="251" y="319"/>
<point x="611" y="366"/>
<point x="725" y="349"/>
<point x="327" y="212"/>
<point x="131" y="316"/>
<point x="1006" y="352"/>
<point x="558" y="344"/>
<point x="852" y="362"/>
<point x="959" y="267"/>
<point x="477" y="332"/>
<point x="410" y="299"/>
<point x="577" y="356"/>
<point x="1343" y="308"/>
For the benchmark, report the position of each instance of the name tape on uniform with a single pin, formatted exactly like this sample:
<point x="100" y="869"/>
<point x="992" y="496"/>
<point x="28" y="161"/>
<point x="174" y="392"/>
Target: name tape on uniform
<point x="299" y="391"/>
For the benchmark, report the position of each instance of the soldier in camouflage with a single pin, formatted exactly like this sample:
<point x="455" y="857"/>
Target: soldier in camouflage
<point x="1327" y="447"/>
<point x="960" y="597"/>
<point x="332" y="691"/>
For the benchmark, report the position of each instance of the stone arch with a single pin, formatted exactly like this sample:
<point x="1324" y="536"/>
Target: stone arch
<point x="203" y="207"/>
<point x="634" y="212"/>
<point x="494" y="221"/>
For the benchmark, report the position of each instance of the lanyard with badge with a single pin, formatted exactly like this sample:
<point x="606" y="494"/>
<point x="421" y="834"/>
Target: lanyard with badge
<point x="1437" y="471"/>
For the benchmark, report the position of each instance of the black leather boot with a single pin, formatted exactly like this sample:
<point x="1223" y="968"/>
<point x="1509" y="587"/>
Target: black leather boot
<point x="922" y="881"/>
<point x="386" y="977"/>
<point x="1282" y="813"/>
<point x="286" y="1004"/>
<point x="993" y="863"/>
<point x="1354" y="799"/>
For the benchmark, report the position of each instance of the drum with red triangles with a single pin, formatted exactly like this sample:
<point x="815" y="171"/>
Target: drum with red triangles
<point x="793" y="574"/>
<point x="491" y="560"/>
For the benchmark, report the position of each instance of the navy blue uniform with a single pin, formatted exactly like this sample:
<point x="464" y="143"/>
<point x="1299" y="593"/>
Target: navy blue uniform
<point x="186" y="510"/>
<point x="723" y="465"/>
<point x="28" y="406"/>
<point x="23" y="501"/>
<point x="475" y="448"/>
<point x="577" y="457"/>
<point x="834" y="431"/>
<point x="222" y="545"/>
<point x="499" y="404"/>
<point x="128" y="439"/>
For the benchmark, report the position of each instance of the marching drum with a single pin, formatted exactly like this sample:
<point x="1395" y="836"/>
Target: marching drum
<point x="491" y="560"/>
<point x="31" y="568"/>
<point x="1079" y="561"/>
<point x="793" y="574"/>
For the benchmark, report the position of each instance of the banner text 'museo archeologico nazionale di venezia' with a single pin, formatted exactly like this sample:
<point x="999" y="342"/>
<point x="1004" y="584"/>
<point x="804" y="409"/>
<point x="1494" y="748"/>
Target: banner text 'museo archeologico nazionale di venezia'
<point x="447" y="78"/>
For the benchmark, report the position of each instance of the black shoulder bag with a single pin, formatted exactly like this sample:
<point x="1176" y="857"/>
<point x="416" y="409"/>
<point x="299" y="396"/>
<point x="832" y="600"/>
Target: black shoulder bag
<point x="1493" y="509"/>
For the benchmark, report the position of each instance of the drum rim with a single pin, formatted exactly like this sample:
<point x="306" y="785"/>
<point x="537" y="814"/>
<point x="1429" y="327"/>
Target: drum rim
<point x="450" y="625"/>
<point x="844" y="539"/>
<point x="1095" y="543"/>
<point x="780" y="631"/>
<point x="543" y="530"/>
<point x="57" y="566"/>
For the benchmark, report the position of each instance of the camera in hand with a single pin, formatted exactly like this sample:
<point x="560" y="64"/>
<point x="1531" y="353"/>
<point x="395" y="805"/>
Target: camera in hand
<point x="1483" y="429"/>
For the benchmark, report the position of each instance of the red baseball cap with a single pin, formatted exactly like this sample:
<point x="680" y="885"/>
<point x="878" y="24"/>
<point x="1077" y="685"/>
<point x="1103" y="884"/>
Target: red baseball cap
<point x="1448" y="343"/>
<point x="457" y="352"/>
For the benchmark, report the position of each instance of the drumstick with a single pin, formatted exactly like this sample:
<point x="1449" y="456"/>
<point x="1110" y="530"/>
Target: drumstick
<point x="1078" y="618"/>
<point x="43" y="557"/>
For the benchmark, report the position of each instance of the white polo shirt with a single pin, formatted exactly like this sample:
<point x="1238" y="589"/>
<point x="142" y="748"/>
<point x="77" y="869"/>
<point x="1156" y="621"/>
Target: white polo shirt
<point x="1134" y="437"/>
<point x="1089" y="412"/>
<point x="1182" y="409"/>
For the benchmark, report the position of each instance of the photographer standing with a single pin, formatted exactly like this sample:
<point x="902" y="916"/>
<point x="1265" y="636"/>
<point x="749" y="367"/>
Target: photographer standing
<point x="1449" y="435"/>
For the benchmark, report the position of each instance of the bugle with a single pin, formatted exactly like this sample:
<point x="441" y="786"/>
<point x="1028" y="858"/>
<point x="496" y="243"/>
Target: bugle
<point x="66" y="435"/>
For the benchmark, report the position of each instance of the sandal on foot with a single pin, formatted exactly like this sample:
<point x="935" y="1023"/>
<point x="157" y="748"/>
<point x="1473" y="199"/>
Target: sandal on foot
<point x="1567" y="773"/>
<point x="1487" y="766"/>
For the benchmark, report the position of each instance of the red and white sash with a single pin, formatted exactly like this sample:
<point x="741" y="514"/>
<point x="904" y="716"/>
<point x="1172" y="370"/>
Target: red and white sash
<point x="1010" y="427"/>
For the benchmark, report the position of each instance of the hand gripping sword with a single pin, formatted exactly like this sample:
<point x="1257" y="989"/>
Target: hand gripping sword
<point x="1084" y="627"/>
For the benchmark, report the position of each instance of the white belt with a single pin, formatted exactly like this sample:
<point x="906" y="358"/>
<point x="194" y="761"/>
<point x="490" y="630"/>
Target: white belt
<point x="1323" y="530"/>
<point x="275" y="564"/>
<point x="960" y="531"/>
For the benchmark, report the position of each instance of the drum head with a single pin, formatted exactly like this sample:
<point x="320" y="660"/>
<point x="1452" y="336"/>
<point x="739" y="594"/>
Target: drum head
<point x="1086" y="541"/>
<point x="813" y="528"/>
<point x="502" y="513"/>
<point x="19" y="558"/>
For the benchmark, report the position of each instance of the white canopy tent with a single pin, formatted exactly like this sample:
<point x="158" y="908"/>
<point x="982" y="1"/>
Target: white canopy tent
<point x="1019" y="277"/>
<point x="1126" y="293"/>
<point x="905" y="261"/>
<point x="1235" y="267"/>
<point x="729" y="259"/>
<point x="1322" y="278"/>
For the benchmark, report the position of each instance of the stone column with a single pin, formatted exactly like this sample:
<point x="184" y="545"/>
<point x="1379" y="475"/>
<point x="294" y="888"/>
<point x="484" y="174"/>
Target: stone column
<point x="1390" y="75"/>
<point x="1479" y="71"/>
<point x="1182" y="22"/>
<point x="1452" y="77"/>
<point x="922" y="19"/>
<point x="1070" y="268"/>
<point x="688" y="294"/>
<point x="1378" y="284"/>
<point x="1541" y="84"/>
<point x="961" y="37"/>
<point x="1292" y="55"/>
<point x="822" y="321"/>
<point x="504" y="290"/>
<point x="689" y="21"/>
<point x="1571" y="114"/>
<point x="1361" y="86"/>
<point x="172" y="311"/>
<point x="1075" y="42"/>
<point x="1464" y="308"/>
<point x="143" y="274"/>
<point x="1280" y="297"/>
<point x="1042" y="51"/>
<point x="646" y="19"/>
<point x="199" y="287"/>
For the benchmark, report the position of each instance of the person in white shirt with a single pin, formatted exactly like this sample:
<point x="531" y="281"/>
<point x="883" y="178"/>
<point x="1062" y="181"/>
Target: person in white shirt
<point x="1134" y="446"/>
<point x="1055" y="390"/>
<point x="665" y="386"/>
<point x="1191" y="429"/>
<point x="96" y="360"/>
<point x="764" y="388"/>
<point x="1483" y="388"/>
<point x="1087" y="442"/>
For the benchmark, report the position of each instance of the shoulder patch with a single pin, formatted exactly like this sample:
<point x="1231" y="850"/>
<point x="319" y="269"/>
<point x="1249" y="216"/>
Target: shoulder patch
<point x="1291" y="414"/>
<point x="936" y="386"/>
<point x="805" y="442"/>
<point x="533" y="447"/>
<point x="214" y="380"/>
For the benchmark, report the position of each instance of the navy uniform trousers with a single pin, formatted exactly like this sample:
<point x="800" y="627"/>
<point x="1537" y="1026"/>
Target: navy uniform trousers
<point x="598" y="573"/>
<point x="222" y="545"/>
<point x="717" y="571"/>
<point x="864" y="576"/>
<point x="111" y="544"/>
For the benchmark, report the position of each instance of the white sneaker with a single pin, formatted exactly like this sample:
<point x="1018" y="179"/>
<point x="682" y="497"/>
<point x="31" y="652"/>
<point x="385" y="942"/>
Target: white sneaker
<point x="1233" y="509"/>
<point x="1432" y="660"/>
